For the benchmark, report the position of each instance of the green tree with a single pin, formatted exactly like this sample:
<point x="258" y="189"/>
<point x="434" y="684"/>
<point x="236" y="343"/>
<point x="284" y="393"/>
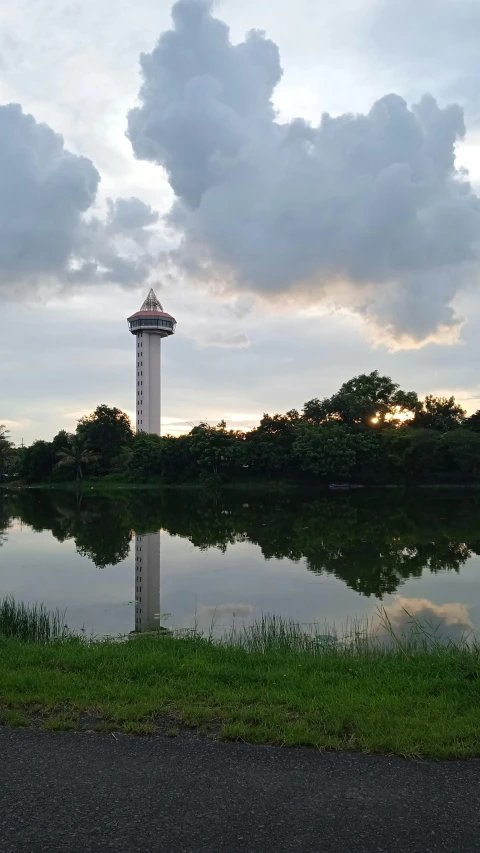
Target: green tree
<point x="106" y="431"/>
<point x="368" y="456"/>
<point x="425" y="456"/>
<point x="7" y="452"/>
<point x="76" y="456"/>
<point x="37" y="462"/>
<point x="269" y="447"/>
<point x="145" y="457"/>
<point x="62" y="440"/>
<point x="462" y="448"/>
<point x="327" y="450"/>
<point x="365" y="400"/>
<point x="412" y="454"/>
<point x="101" y="527"/>
<point x="209" y="447"/>
<point x="176" y="458"/>
<point x="473" y="422"/>
<point x="440" y="413"/>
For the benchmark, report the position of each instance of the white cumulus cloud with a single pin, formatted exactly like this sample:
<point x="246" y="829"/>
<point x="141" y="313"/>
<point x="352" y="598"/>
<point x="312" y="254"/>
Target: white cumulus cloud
<point x="369" y="202"/>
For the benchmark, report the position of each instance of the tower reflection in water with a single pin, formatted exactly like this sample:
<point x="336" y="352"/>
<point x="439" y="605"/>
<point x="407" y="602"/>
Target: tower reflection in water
<point x="147" y="582"/>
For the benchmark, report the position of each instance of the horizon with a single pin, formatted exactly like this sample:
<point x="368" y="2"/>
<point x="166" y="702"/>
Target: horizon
<point x="176" y="429"/>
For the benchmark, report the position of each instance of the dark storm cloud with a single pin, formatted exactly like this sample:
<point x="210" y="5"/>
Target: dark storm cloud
<point x="45" y="193"/>
<point x="373" y="200"/>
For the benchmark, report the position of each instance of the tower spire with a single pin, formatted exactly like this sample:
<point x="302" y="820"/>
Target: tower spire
<point x="151" y="302"/>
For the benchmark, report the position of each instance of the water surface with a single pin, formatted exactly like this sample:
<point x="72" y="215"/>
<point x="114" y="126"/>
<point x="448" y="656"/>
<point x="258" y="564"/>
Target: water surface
<point x="116" y="563"/>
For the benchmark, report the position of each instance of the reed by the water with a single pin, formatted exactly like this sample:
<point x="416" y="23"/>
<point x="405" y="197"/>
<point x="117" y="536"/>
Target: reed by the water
<point x="31" y="622"/>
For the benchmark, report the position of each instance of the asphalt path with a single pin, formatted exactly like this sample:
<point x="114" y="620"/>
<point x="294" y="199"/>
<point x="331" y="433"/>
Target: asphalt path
<point x="67" y="792"/>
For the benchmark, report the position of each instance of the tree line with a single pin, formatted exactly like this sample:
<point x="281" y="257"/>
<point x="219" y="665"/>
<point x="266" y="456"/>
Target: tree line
<point x="370" y="431"/>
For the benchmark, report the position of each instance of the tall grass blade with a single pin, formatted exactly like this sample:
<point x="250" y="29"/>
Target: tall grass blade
<point x="31" y="622"/>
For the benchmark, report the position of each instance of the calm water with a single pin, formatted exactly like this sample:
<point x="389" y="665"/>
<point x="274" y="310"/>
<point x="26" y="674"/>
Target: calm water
<point x="114" y="564"/>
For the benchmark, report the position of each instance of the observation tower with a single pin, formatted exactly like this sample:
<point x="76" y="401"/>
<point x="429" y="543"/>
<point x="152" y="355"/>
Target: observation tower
<point x="149" y="325"/>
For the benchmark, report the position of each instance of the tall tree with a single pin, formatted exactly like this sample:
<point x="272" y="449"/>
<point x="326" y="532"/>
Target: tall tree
<point x="440" y="413"/>
<point x="144" y="459"/>
<point x="62" y="440"/>
<point x="37" y="462"/>
<point x="269" y="447"/>
<point x="327" y="450"/>
<point x="106" y="431"/>
<point x="366" y="400"/>
<point x="76" y="456"/>
<point x="211" y="449"/>
<point x="463" y="450"/>
<point x="6" y="452"/>
<point x="473" y="422"/>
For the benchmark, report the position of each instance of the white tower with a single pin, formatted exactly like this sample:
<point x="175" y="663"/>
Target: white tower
<point x="147" y="582"/>
<point x="149" y="325"/>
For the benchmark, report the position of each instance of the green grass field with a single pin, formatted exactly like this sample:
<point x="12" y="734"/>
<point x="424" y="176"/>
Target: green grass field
<point x="269" y="683"/>
<point x="423" y="703"/>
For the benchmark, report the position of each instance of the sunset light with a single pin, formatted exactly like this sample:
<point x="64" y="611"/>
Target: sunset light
<point x="398" y="416"/>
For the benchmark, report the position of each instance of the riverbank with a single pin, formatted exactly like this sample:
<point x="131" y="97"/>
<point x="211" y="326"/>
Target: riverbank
<point x="107" y="485"/>
<point x="112" y="487"/>
<point x="419" y="703"/>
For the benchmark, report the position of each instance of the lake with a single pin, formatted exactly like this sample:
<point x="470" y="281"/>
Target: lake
<point x="115" y="563"/>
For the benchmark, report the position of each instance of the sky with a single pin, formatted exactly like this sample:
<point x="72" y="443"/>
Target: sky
<point x="298" y="182"/>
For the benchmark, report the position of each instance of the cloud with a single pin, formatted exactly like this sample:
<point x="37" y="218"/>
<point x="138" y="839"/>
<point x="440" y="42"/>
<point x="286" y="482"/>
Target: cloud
<point x="446" y="57"/>
<point x="443" y="622"/>
<point x="9" y="424"/>
<point x="48" y="232"/>
<point x="127" y="215"/>
<point x="371" y="203"/>
<point x="237" y="341"/>
<point x="45" y="192"/>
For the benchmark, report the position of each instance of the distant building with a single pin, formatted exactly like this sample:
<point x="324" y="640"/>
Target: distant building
<point x="149" y="325"/>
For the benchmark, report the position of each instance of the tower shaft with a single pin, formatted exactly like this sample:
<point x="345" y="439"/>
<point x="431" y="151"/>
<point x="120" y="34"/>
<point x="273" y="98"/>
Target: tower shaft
<point x="147" y="582"/>
<point x="149" y="325"/>
<point x="148" y="382"/>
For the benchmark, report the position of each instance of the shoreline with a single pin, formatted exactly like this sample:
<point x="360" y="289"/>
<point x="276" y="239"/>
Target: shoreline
<point x="418" y="704"/>
<point x="268" y="486"/>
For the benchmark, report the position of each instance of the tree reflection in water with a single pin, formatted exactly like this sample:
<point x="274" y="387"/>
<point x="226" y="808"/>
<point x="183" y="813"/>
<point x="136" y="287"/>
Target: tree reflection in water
<point x="372" y="541"/>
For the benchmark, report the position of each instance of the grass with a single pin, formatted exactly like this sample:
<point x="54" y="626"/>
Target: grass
<point x="270" y="683"/>
<point x="14" y="719"/>
<point x="33" y="623"/>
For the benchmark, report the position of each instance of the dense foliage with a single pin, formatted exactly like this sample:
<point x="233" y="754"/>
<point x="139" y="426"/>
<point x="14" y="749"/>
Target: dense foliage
<point x="7" y="454"/>
<point x="370" y="431"/>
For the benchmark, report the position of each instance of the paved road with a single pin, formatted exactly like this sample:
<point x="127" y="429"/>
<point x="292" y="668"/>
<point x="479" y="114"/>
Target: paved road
<point x="69" y="793"/>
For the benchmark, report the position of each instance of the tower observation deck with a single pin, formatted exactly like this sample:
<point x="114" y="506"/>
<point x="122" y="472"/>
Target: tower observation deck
<point x="149" y="325"/>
